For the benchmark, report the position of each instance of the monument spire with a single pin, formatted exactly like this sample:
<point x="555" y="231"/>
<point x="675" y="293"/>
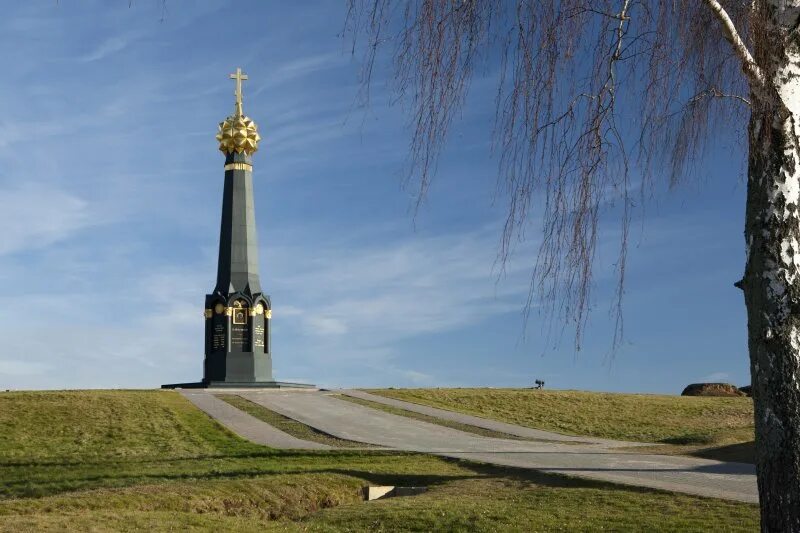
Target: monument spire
<point x="237" y="312"/>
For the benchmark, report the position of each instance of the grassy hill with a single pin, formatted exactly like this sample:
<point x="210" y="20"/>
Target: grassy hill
<point x="133" y="460"/>
<point x="714" y="427"/>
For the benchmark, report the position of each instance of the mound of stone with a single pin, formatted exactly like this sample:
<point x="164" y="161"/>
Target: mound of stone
<point x="712" y="389"/>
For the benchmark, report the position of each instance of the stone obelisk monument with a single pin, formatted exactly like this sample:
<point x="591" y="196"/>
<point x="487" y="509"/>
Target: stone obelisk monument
<point x="237" y="312"/>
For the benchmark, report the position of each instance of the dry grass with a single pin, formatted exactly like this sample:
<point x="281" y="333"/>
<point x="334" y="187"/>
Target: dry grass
<point x="634" y="417"/>
<point x="102" y="424"/>
<point x="240" y="502"/>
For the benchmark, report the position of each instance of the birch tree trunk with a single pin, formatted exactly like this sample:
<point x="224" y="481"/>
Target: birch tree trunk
<point x="771" y="282"/>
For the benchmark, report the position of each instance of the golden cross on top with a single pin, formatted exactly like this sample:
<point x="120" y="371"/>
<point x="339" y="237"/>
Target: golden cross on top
<point x="239" y="77"/>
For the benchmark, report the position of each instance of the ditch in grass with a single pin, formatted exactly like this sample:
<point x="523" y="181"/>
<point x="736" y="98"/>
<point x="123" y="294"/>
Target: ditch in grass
<point x="289" y="425"/>
<point x="463" y="496"/>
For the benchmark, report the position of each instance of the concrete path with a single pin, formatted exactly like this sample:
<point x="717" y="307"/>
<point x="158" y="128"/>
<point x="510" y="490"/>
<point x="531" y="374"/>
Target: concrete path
<point x="347" y="420"/>
<point x="246" y="425"/>
<point x="486" y="423"/>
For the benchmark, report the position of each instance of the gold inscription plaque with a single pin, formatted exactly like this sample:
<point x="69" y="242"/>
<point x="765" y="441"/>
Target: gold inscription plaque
<point x="218" y="337"/>
<point x="259" y="336"/>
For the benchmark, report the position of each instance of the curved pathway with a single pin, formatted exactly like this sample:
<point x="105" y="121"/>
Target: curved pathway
<point x="487" y="423"/>
<point x="245" y="425"/>
<point x="347" y="420"/>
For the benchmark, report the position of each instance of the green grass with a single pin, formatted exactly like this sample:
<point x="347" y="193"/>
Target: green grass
<point x="519" y="504"/>
<point x="678" y="420"/>
<point x="126" y="461"/>
<point x="88" y="425"/>
<point x="288" y="425"/>
<point x="51" y="442"/>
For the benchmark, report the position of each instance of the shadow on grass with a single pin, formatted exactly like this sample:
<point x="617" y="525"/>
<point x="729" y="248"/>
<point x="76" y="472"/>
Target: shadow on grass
<point x="87" y="480"/>
<point x="112" y="472"/>
<point x="744" y="452"/>
<point x="28" y="489"/>
<point x="692" y="438"/>
<point x="552" y="480"/>
<point x="272" y="453"/>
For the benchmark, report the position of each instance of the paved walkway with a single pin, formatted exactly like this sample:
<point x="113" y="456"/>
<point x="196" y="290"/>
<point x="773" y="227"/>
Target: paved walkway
<point x="245" y="425"/>
<point x="351" y="421"/>
<point x="486" y="423"/>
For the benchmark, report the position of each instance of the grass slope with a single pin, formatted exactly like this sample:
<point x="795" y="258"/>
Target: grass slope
<point x="713" y="428"/>
<point x="86" y="425"/>
<point x="634" y="417"/>
<point x="125" y="461"/>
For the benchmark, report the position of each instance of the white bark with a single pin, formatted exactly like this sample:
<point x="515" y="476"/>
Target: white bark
<point x="772" y="281"/>
<point x="749" y="66"/>
<point x="772" y="235"/>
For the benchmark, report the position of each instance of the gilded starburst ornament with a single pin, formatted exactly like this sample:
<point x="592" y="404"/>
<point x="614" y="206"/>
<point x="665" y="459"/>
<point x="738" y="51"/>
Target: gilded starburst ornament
<point x="238" y="133"/>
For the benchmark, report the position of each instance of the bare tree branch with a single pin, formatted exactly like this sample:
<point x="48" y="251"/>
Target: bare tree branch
<point x="749" y="66"/>
<point x="571" y="72"/>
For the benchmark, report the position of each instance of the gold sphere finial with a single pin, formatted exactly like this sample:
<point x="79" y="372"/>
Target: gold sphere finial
<point x="238" y="133"/>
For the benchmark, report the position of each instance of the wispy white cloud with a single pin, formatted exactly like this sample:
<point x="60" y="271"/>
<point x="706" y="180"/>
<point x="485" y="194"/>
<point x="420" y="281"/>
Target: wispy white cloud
<point x="34" y="216"/>
<point x="16" y="368"/>
<point x="109" y="47"/>
<point x="143" y="336"/>
<point x="716" y="377"/>
<point x="399" y="289"/>
<point x="418" y="378"/>
<point x="300" y="67"/>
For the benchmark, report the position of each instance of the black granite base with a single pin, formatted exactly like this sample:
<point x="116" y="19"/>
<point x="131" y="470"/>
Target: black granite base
<point x="239" y="385"/>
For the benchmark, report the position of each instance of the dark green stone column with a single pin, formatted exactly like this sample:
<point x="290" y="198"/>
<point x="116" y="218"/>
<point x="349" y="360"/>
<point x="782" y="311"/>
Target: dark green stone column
<point x="237" y="340"/>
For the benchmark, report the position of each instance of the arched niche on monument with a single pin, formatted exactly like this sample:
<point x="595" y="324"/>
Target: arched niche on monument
<point x="217" y="326"/>
<point x="240" y="326"/>
<point x="259" y="326"/>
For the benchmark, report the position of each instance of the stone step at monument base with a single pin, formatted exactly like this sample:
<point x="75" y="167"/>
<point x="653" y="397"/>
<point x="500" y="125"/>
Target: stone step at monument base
<point x="239" y="385"/>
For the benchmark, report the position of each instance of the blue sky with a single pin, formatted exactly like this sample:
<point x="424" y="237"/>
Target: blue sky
<point x="110" y="194"/>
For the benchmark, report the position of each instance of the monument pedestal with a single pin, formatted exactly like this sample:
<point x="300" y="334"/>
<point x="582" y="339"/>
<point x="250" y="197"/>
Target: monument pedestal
<point x="239" y="385"/>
